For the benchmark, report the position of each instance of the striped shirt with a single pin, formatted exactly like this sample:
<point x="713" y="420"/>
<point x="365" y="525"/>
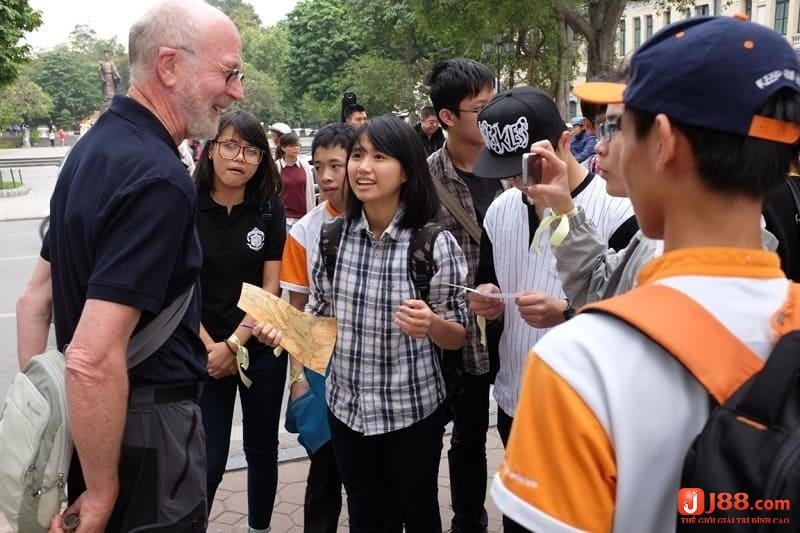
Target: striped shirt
<point x="382" y="380"/>
<point x="519" y="268"/>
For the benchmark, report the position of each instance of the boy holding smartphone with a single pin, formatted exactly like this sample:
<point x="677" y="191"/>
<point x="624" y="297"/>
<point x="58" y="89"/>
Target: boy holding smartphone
<point x="510" y="262"/>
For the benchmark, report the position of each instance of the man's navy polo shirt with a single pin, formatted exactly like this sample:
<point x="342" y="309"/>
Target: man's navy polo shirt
<point x="122" y="229"/>
<point x="235" y="247"/>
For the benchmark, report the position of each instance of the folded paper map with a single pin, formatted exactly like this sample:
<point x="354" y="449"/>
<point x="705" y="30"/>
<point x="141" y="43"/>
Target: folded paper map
<point x="309" y="339"/>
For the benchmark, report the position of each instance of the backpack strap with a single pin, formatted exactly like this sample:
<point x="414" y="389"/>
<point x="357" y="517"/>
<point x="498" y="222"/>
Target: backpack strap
<point x="329" y="239"/>
<point x="421" y="264"/>
<point x="719" y="361"/>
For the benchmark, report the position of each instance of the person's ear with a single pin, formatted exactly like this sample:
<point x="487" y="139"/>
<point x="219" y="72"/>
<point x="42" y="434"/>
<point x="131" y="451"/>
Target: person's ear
<point x="563" y="143"/>
<point x="447" y="117"/>
<point x="166" y="66"/>
<point x="665" y="147"/>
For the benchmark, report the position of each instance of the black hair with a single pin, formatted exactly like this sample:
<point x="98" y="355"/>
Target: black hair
<point x="589" y="110"/>
<point x="289" y="139"/>
<point x="452" y="80"/>
<point x="337" y="134"/>
<point x="266" y="181"/>
<point x="395" y="138"/>
<point x="427" y="111"/>
<point x="353" y="108"/>
<point x="735" y="164"/>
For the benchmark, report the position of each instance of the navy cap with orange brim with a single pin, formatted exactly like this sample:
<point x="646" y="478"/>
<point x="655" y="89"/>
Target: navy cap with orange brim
<point x="713" y="73"/>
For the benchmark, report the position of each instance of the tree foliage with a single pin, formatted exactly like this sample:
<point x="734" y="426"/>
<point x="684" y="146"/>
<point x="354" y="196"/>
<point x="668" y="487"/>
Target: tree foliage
<point x="84" y="40"/>
<point x="240" y="12"/>
<point x="23" y="102"/>
<point x="382" y="85"/>
<point x="323" y="36"/>
<point x="71" y="80"/>
<point x="16" y="18"/>
<point x="262" y="96"/>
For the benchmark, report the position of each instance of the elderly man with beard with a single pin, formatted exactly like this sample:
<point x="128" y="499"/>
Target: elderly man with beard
<point x="121" y="247"/>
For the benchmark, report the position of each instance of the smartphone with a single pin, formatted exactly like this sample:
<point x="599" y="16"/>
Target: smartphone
<point x="531" y="169"/>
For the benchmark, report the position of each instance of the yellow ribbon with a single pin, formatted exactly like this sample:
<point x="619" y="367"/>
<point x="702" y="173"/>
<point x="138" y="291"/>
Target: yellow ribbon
<point x="481" y="322"/>
<point x="242" y="359"/>
<point x="560" y="233"/>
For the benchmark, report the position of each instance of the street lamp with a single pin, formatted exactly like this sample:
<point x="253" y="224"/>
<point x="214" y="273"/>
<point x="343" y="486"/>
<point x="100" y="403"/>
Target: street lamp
<point x="500" y="45"/>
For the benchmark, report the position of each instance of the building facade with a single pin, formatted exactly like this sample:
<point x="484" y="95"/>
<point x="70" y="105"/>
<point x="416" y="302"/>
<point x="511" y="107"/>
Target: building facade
<point x="643" y="18"/>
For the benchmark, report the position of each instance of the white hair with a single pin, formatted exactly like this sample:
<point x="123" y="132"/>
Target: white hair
<point x="173" y="23"/>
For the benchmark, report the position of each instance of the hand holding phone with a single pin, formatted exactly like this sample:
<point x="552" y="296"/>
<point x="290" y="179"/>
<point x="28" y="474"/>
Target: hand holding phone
<point x="531" y="169"/>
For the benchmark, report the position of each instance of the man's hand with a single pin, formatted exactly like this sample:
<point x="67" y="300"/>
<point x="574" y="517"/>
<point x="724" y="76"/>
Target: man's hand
<point x="540" y="310"/>
<point x="94" y="512"/>
<point x="415" y="319"/>
<point x="221" y="362"/>
<point x="489" y="308"/>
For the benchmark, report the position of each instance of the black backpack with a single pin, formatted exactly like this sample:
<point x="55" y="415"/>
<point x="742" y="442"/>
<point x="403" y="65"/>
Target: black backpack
<point x="421" y="267"/>
<point x="748" y="453"/>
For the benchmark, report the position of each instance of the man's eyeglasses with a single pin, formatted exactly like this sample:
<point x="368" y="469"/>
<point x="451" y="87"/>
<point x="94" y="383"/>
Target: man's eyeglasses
<point x="231" y="150"/>
<point x="231" y="73"/>
<point x="607" y="129"/>
<point x="476" y="109"/>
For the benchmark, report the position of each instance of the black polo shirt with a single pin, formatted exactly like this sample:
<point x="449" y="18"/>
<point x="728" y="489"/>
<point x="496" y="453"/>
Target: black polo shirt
<point x="235" y="248"/>
<point x="122" y="229"/>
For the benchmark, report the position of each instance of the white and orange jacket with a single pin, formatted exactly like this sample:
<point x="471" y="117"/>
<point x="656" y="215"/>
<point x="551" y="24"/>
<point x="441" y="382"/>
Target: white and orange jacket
<point x="606" y="415"/>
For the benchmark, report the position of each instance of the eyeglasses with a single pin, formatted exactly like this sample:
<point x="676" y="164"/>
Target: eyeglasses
<point x="231" y="150"/>
<point x="476" y="109"/>
<point x="607" y="129"/>
<point x="230" y="73"/>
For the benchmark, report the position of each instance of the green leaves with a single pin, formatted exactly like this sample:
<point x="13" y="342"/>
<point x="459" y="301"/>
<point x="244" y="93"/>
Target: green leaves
<point x="23" y="101"/>
<point x="16" y="18"/>
<point x="71" y="80"/>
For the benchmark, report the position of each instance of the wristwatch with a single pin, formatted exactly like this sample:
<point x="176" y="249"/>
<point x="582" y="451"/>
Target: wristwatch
<point x="569" y="312"/>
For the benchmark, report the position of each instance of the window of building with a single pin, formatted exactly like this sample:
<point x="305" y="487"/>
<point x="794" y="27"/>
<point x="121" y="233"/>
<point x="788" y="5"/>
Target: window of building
<point x="748" y="9"/>
<point x="781" y="16"/>
<point x="667" y="17"/>
<point x="648" y="26"/>
<point x="701" y="11"/>
<point x="637" y="32"/>
<point x="687" y="13"/>
<point x="622" y="37"/>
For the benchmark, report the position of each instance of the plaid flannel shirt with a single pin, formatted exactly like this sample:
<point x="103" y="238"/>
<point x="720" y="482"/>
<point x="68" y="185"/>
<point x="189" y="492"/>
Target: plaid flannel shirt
<point x="476" y="357"/>
<point x="382" y="380"/>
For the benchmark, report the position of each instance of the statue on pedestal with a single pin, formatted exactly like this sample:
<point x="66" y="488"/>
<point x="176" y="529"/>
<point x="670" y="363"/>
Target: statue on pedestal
<point x="109" y="79"/>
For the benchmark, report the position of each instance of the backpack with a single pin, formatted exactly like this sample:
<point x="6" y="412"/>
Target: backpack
<point x="35" y="441"/>
<point x="421" y="267"/>
<point x="35" y="444"/>
<point x="749" y="448"/>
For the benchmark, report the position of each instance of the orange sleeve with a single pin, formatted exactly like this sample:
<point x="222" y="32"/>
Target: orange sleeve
<point x="294" y="265"/>
<point x="559" y="458"/>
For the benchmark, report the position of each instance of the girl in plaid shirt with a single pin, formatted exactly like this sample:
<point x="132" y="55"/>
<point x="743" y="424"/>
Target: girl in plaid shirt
<point x="385" y="389"/>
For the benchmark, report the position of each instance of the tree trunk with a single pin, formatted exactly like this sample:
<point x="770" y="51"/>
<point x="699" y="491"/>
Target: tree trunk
<point x="562" y="89"/>
<point x="599" y="29"/>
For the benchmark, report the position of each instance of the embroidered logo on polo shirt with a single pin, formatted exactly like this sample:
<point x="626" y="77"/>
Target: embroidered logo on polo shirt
<point x="255" y="239"/>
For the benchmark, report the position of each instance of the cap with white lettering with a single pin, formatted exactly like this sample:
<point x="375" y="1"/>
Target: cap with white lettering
<point x="510" y="123"/>
<point x="715" y="73"/>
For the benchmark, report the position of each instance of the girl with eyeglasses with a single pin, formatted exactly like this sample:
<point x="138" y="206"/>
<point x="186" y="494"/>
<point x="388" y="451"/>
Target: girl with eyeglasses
<point x="241" y="224"/>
